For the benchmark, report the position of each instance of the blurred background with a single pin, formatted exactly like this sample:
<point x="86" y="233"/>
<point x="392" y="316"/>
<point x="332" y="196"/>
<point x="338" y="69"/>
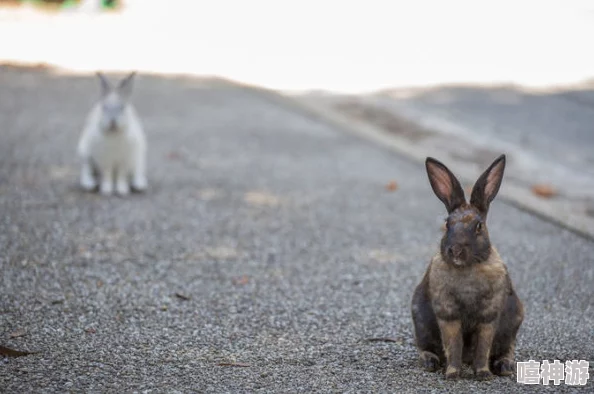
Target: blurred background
<point x="478" y="77"/>
<point x="353" y="46"/>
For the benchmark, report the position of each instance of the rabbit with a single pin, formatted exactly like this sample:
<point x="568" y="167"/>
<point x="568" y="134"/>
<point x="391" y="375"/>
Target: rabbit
<point x="465" y="310"/>
<point x="113" y="146"/>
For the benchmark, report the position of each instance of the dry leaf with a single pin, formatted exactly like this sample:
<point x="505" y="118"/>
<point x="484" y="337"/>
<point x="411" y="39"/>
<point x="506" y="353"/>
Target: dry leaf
<point x="7" y="352"/>
<point x="544" y="191"/>
<point x="391" y="186"/>
<point x="17" y="333"/>
<point x="241" y="281"/>
<point x="173" y="155"/>
<point x="221" y="252"/>
<point x="182" y="296"/>
<point x="209" y="194"/>
<point x="262" y="198"/>
<point x="233" y="365"/>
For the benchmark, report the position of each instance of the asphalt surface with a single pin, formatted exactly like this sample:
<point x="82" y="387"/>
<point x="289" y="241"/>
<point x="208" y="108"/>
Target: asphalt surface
<point x="546" y="136"/>
<point x="275" y="228"/>
<point x="555" y="126"/>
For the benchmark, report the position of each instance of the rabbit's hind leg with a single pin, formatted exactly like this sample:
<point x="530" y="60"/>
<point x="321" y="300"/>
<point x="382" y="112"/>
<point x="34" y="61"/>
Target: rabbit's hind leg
<point x="427" y="333"/>
<point x="88" y="175"/>
<point x="504" y="343"/>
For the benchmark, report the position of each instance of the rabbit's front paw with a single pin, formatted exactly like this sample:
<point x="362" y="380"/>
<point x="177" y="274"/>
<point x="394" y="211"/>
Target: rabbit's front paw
<point x="88" y="183"/>
<point x="452" y="373"/>
<point x="484" y="374"/>
<point x="122" y="188"/>
<point x="106" y="188"/>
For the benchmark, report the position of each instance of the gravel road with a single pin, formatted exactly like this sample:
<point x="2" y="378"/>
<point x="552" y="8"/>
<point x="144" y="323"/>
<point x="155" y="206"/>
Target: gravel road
<point x="265" y="255"/>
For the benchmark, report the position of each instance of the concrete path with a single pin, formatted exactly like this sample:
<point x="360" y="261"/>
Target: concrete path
<point x="264" y="257"/>
<point x="547" y="135"/>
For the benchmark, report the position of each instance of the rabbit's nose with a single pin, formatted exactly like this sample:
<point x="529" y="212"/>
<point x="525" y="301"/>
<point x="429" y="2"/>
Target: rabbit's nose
<point x="456" y="250"/>
<point x="112" y="126"/>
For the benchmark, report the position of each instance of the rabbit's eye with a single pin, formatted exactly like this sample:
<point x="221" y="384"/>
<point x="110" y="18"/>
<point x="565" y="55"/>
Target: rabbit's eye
<point x="479" y="227"/>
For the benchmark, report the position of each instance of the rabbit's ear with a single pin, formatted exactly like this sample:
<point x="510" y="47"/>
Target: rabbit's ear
<point x="125" y="87"/>
<point x="486" y="187"/>
<point x="105" y="85"/>
<point x="444" y="184"/>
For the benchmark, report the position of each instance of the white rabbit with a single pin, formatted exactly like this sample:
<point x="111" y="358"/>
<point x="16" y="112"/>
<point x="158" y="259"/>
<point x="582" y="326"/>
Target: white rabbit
<point x="113" y="145"/>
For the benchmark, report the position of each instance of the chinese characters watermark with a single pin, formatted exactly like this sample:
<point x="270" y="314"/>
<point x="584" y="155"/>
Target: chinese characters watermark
<point x="573" y="372"/>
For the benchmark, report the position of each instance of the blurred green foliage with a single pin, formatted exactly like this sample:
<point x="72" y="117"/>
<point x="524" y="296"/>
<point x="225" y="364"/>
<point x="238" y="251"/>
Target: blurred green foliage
<point x="62" y="3"/>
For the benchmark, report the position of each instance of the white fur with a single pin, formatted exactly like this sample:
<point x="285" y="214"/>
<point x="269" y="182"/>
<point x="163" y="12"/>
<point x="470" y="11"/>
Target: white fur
<point x="118" y="155"/>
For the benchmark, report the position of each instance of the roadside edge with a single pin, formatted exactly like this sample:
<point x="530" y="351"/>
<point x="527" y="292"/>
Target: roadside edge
<point x="514" y="194"/>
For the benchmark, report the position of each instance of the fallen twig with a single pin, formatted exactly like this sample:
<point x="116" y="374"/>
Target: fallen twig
<point x="233" y="365"/>
<point x="182" y="296"/>
<point x="8" y="352"/>
<point x="381" y="340"/>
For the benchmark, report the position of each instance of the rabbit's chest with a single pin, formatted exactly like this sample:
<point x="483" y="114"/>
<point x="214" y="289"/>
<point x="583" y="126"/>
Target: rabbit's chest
<point x="467" y="294"/>
<point x="113" y="149"/>
<point x="470" y="295"/>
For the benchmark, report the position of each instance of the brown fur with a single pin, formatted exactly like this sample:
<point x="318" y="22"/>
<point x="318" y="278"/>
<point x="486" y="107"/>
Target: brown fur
<point x="465" y="309"/>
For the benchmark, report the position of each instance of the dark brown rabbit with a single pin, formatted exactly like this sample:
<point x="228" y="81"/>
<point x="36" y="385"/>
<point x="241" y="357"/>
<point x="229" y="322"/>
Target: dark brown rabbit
<point x="465" y="309"/>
